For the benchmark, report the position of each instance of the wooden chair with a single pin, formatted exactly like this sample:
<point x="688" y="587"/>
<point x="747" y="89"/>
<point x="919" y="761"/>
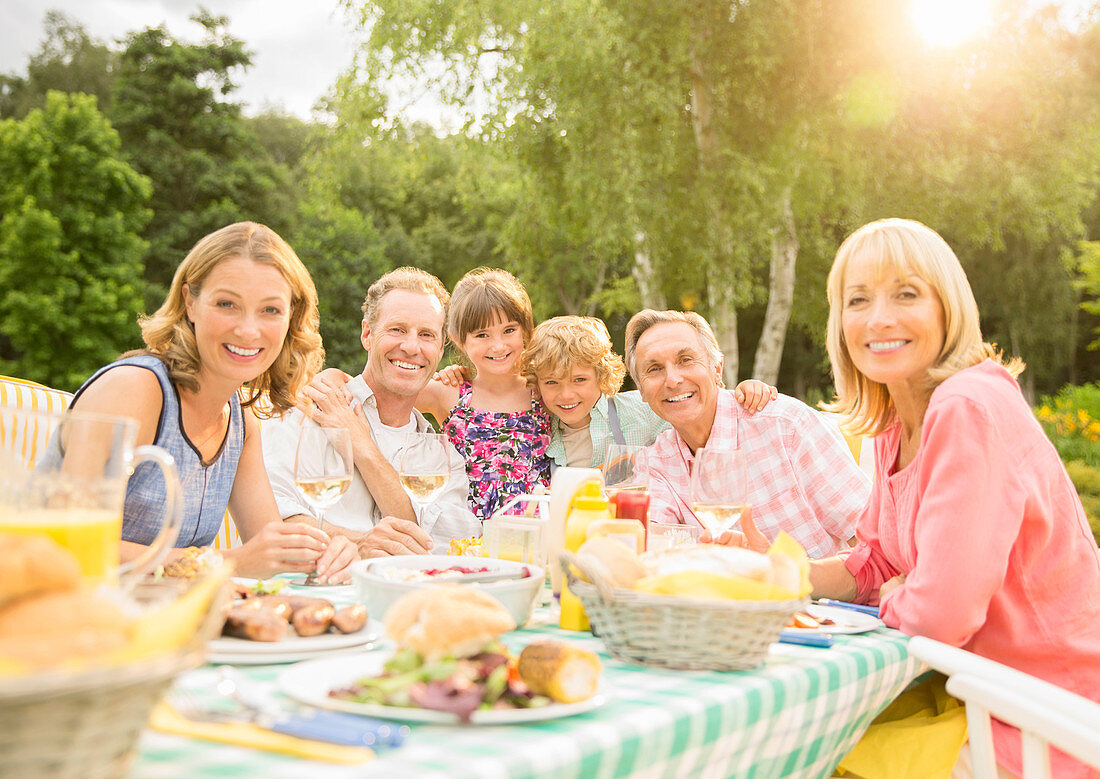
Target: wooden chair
<point x="25" y="442"/>
<point x="1046" y="715"/>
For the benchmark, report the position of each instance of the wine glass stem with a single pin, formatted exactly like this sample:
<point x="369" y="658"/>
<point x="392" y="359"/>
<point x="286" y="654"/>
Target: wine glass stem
<point x="312" y="577"/>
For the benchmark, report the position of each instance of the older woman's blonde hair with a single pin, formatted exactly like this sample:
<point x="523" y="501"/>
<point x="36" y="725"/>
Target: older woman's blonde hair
<point x="482" y="295"/>
<point x="565" y="342"/>
<point x="647" y="318"/>
<point x="906" y="248"/>
<point x="169" y="334"/>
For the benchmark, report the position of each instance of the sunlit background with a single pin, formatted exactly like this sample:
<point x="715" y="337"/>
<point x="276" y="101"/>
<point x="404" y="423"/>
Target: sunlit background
<point x="948" y="22"/>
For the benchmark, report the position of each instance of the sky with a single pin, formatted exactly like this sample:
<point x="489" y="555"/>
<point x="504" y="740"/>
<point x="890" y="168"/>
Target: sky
<point x="299" y="46"/>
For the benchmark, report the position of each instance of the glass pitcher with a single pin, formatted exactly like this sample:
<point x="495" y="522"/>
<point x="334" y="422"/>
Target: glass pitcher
<point x="64" y="475"/>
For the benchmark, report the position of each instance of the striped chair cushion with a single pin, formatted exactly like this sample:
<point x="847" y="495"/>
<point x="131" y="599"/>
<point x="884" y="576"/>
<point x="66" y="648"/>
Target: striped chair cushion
<point x="21" y="438"/>
<point x="26" y="441"/>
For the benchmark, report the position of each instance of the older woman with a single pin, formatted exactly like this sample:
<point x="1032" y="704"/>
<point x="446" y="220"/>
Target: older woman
<point x="974" y="535"/>
<point x="242" y="310"/>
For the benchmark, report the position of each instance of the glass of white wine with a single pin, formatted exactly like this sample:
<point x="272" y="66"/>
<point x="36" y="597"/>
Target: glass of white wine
<point x="323" y="467"/>
<point x="719" y="488"/>
<point x="425" y="466"/>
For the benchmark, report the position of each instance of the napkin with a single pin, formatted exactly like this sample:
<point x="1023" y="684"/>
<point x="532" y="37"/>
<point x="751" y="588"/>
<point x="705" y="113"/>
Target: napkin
<point x="167" y="720"/>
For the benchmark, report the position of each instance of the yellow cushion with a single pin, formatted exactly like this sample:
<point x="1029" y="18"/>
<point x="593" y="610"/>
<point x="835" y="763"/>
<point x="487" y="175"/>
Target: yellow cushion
<point x="22" y="440"/>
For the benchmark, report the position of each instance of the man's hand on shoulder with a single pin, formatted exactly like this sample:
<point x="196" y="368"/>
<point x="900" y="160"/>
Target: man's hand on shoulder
<point x="395" y="536"/>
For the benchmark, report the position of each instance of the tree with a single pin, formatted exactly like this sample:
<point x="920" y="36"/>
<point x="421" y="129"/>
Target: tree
<point x="69" y="60"/>
<point x="70" y="251"/>
<point x="207" y="169"/>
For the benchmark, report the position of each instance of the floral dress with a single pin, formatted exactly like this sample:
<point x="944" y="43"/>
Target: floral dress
<point x="505" y="452"/>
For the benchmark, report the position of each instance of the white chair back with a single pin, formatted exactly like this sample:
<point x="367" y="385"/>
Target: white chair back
<point x="1045" y="713"/>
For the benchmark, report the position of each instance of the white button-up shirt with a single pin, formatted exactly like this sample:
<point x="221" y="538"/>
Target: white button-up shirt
<point x="444" y="518"/>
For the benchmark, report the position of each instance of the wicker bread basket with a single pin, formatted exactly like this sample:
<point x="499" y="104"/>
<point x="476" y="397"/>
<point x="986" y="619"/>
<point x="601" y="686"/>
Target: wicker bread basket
<point x="85" y="724"/>
<point x="674" y="632"/>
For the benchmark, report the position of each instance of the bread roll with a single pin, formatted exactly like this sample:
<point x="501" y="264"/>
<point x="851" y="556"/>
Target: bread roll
<point x="46" y="630"/>
<point x="710" y="558"/>
<point x="34" y="564"/>
<point x="612" y="560"/>
<point x="446" y="620"/>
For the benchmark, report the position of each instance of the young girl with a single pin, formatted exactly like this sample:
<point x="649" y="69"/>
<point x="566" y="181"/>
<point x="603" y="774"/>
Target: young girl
<point x="495" y="420"/>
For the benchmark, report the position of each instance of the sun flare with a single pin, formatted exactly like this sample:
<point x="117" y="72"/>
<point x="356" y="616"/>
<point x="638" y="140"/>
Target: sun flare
<point x="949" y="22"/>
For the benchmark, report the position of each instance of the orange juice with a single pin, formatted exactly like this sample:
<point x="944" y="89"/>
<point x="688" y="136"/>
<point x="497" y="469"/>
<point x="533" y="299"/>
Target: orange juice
<point x="92" y="535"/>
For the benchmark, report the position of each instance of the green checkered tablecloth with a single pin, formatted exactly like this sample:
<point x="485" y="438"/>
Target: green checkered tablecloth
<point x="795" y="716"/>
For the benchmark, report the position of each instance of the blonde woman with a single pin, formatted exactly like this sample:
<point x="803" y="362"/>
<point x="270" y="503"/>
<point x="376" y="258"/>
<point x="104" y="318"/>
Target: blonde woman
<point x="974" y="534"/>
<point x="240" y="319"/>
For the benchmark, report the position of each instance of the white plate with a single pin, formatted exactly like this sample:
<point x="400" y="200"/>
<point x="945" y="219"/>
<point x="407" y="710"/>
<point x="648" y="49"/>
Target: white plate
<point x="311" y="681"/>
<point x="227" y="649"/>
<point x="847" y="621"/>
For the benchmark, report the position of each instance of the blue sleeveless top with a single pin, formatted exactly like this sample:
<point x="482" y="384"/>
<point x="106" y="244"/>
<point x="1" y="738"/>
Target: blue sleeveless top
<point x="206" y="487"/>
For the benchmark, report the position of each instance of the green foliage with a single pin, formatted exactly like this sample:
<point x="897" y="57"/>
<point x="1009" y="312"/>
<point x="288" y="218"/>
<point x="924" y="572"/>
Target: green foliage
<point x="1072" y="421"/>
<point x="1088" y="265"/>
<point x="1086" y="479"/>
<point x="344" y="253"/>
<point x="69" y="60"/>
<point x="207" y="168"/>
<point x="70" y="251"/>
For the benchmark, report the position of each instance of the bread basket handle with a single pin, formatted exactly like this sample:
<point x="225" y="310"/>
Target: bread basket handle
<point x="570" y="564"/>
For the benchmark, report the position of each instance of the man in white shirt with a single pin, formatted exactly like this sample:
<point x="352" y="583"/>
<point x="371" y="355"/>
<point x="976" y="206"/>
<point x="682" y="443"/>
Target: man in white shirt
<point x="403" y="320"/>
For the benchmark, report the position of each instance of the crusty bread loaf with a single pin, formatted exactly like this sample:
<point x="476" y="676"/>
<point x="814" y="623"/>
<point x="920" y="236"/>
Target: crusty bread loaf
<point x="612" y="560"/>
<point x="446" y="620"/>
<point x="32" y="564"/>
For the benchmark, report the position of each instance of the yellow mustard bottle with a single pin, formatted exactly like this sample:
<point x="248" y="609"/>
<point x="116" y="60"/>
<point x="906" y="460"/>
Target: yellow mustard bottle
<point x="589" y="505"/>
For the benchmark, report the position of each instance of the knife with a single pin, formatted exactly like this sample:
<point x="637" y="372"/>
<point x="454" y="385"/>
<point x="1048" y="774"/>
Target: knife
<point x="823" y="640"/>
<point x="318" y="724"/>
<point x="843" y="604"/>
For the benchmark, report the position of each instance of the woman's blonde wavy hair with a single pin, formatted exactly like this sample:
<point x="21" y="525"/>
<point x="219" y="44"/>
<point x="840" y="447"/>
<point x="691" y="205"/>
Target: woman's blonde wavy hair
<point x="562" y="343"/>
<point x="904" y="247"/>
<point x="169" y="334"/>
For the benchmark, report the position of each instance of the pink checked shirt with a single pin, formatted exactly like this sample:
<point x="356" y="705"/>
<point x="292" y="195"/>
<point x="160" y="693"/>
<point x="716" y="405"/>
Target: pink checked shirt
<point x="802" y="476"/>
<point x="991" y="535"/>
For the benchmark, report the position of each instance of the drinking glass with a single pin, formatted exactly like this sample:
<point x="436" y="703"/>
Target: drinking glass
<point x="624" y="468"/>
<point x="425" y="466"/>
<point x="719" y="488"/>
<point x="323" y="468"/>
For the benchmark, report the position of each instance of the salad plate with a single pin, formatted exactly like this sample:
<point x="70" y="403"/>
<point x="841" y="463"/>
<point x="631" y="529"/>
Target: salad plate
<point x="843" y="620"/>
<point x="310" y="682"/>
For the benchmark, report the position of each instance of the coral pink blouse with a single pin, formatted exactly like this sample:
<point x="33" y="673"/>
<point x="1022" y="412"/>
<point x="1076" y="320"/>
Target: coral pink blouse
<point x="987" y="527"/>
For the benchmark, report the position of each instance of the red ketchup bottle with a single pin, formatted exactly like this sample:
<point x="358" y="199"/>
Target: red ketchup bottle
<point x="633" y="504"/>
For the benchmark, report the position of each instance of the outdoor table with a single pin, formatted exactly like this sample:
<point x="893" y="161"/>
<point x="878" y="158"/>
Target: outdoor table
<point x="797" y="715"/>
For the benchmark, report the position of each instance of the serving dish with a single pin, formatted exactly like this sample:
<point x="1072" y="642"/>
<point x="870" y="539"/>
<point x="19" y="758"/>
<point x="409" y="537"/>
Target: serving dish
<point x="378" y="588"/>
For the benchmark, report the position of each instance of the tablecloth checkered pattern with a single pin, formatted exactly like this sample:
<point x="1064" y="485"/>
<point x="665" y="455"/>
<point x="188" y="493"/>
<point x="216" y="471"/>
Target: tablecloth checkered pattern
<point x="794" y="717"/>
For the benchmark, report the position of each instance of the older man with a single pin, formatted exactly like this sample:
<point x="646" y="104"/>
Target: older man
<point x="403" y="318"/>
<point x="802" y="478"/>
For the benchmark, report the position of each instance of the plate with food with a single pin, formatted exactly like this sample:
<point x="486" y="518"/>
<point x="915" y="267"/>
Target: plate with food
<point x="263" y="627"/>
<point x="832" y="619"/>
<point x="450" y="668"/>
